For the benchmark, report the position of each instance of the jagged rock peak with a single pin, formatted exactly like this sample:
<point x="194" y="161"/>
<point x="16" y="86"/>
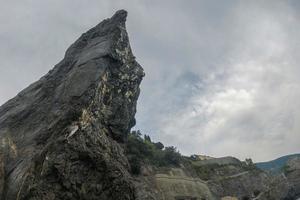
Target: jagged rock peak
<point x="60" y="136"/>
<point x="113" y="28"/>
<point x="120" y="16"/>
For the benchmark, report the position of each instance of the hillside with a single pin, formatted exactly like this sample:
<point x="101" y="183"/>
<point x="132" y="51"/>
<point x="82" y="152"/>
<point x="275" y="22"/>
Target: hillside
<point x="277" y="164"/>
<point x="168" y="175"/>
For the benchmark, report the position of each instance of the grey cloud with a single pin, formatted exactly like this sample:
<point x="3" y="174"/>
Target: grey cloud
<point x="220" y="76"/>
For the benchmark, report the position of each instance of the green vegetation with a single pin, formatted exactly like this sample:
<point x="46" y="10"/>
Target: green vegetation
<point x="141" y="150"/>
<point x="209" y="171"/>
<point x="206" y="172"/>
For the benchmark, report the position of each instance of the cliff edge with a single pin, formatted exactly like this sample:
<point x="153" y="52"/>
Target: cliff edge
<point x="60" y="136"/>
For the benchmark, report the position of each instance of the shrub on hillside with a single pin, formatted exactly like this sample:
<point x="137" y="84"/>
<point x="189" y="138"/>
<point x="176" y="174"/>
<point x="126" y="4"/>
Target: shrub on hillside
<point x="141" y="150"/>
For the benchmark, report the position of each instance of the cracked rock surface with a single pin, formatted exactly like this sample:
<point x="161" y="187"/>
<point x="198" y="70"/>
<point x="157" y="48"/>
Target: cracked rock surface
<point x="60" y="137"/>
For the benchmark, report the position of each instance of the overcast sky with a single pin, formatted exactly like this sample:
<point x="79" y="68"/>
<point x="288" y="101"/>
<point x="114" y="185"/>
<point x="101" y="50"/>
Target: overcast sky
<point x="222" y="77"/>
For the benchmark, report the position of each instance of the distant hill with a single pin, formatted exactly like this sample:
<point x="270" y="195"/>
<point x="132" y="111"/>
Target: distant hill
<point x="277" y="164"/>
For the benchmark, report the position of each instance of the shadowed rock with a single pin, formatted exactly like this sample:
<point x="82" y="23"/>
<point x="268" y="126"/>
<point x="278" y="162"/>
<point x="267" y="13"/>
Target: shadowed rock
<point x="59" y="136"/>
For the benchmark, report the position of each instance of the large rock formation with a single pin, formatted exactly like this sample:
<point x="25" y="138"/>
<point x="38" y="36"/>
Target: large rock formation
<point x="59" y="137"/>
<point x="62" y="137"/>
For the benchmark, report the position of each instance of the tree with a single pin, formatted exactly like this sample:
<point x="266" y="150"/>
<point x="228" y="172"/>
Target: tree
<point x="147" y="138"/>
<point x="159" y="145"/>
<point x="136" y="134"/>
<point x="172" y="156"/>
<point x="249" y="161"/>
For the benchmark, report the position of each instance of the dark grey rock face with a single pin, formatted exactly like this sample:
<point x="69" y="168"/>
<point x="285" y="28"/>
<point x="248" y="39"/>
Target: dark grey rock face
<point x="60" y="136"/>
